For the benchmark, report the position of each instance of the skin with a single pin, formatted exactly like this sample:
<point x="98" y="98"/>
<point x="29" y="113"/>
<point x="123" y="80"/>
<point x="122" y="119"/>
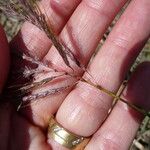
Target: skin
<point x="77" y="110"/>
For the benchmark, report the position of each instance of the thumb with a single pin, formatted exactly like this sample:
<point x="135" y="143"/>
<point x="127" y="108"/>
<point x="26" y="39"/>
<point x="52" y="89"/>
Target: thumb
<point x="4" y="58"/>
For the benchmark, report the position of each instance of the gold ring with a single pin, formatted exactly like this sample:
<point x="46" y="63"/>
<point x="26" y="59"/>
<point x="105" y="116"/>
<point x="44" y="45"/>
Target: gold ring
<point x="66" y="138"/>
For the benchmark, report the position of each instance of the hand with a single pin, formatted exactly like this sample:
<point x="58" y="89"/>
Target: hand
<point x="83" y="109"/>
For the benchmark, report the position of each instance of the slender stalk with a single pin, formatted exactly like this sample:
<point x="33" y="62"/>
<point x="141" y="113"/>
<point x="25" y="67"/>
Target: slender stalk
<point x="137" y="108"/>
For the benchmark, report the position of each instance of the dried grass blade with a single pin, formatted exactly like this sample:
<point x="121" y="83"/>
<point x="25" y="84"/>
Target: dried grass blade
<point x="28" y="10"/>
<point x="35" y="97"/>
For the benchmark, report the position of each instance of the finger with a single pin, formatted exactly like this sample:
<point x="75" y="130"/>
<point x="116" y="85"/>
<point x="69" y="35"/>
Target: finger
<point x="34" y="41"/>
<point x="81" y="112"/>
<point x="79" y="37"/>
<point x="4" y="110"/>
<point x="77" y="34"/>
<point x="4" y="58"/>
<point x="120" y="128"/>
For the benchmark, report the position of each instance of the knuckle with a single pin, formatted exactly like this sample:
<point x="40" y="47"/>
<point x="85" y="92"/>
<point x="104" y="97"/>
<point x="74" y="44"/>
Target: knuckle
<point x="120" y="41"/>
<point x="101" y="7"/>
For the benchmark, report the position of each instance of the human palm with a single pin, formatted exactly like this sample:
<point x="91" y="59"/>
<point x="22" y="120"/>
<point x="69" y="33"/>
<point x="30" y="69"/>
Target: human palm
<point x="82" y="109"/>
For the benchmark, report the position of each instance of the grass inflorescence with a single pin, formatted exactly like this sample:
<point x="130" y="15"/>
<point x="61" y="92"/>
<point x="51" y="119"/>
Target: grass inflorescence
<point x="29" y="10"/>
